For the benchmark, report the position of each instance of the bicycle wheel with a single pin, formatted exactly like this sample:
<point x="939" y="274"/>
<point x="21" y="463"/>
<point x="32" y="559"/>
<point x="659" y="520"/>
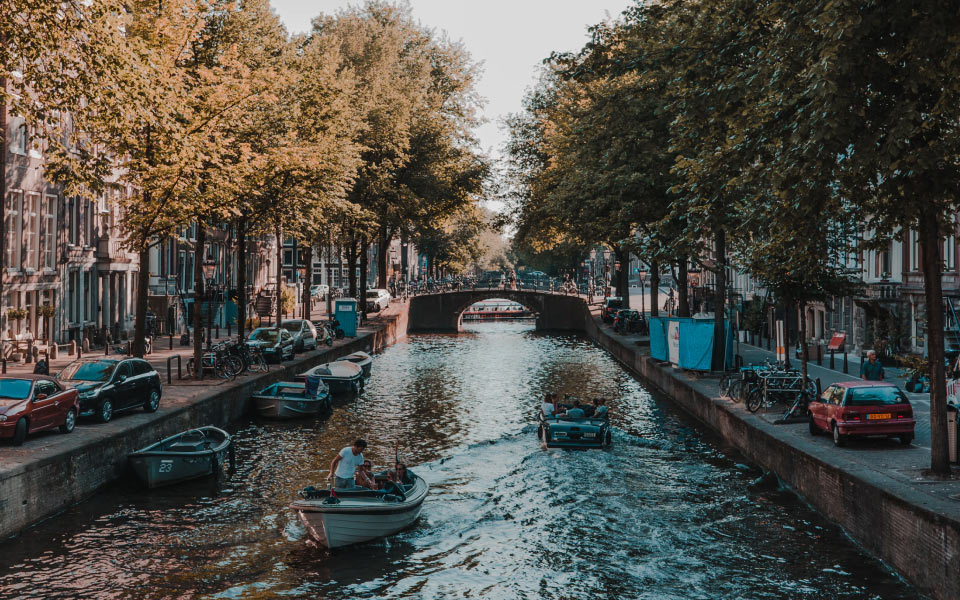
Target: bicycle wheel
<point x="724" y="386"/>
<point x="235" y="363"/>
<point x="736" y="391"/>
<point x="260" y="362"/>
<point x="755" y="400"/>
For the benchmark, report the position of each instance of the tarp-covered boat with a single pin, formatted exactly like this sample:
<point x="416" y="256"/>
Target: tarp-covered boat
<point x="359" y="515"/>
<point x="341" y="376"/>
<point x="290" y="400"/>
<point x="361" y="358"/>
<point x="191" y="454"/>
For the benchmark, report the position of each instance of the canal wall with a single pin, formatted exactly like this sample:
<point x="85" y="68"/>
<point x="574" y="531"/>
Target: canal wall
<point x="915" y="533"/>
<point x="69" y="469"/>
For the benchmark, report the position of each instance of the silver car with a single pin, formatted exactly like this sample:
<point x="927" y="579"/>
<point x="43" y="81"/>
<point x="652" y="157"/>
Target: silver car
<point x="304" y="334"/>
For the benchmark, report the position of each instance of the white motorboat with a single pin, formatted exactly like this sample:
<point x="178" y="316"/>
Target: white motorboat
<point x="351" y="516"/>
<point x="362" y="359"/>
<point x="341" y="376"/>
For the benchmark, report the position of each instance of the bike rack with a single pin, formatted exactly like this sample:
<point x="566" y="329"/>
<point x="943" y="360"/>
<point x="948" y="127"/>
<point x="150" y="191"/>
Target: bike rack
<point x="179" y="371"/>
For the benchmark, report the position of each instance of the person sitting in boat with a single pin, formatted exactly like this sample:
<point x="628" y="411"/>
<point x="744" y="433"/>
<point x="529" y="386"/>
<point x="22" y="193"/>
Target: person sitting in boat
<point x="400" y="474"/>
<point x="548" y="407"/>
<point x="345" y="464"/>
<point x="574" y="413"/>
<point x="600" y="408"/>
<point x="365" y="477"/>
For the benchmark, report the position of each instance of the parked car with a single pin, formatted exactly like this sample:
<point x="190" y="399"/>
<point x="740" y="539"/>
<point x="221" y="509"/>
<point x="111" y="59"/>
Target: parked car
<point x="862" y="408"/>
<point x="319" y="291"/>
<point x="110" y="385"/>
<point x="32" y="403"/>
<point x="377" y="300"/>
<point x="276" y="344"/>
<point x="304" y="334"/>
<point x="610" y="306"/>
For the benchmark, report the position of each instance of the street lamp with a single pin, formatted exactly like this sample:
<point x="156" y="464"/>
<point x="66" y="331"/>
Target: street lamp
<point x="643" y="290"/>
<point x="209" y="273"/>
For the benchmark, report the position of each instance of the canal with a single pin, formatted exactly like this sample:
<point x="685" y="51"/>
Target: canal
<point x="665" y="513"/>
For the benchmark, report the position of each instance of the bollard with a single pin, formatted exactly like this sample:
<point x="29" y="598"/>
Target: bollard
<point x="845" y="369"/>
<point x="171" y="340"/>
<point x="72" y="348"/>
<point x="218" y="331"/>
<point x="3" y="365"/>
<point x="80" y="351"/>
<point x="832" y="352"/>
<point x="230" y="329"/>
<point x="29" y="352"/>
<point x="768" y="343"/>
<point x="106" y="349"/>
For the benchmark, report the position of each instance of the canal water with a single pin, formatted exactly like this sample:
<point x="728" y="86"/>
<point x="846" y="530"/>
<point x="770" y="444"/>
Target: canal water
<point x="665" y="513"/>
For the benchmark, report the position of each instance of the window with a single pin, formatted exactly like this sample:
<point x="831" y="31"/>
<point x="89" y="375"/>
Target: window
<point x="73" y="218"/>
<point x="882" y="263"/>
<point x="31" y="230"/>
<point x="12" y="224"/>
<point x="914" y="251"/>
<point x="72" y="290"/>
<point x="875" y="396"/>
<point x="87" y="295"/>
<point x="949" y="253"/>
<point x="48" y="233"/>
<point x="89" y="224"/>
<point x="45" y="387"/>
<point x="20" y="140"/>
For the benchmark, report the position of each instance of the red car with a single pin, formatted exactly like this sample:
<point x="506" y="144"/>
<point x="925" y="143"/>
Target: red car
<point x="862" y="408"/>
<point x="31" y="403"/>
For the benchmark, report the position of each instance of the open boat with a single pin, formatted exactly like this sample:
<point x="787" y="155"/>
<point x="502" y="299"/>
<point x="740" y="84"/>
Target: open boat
<point x="341" y="376"/>
<point x="362" y="359"/>
<point x="290" y="400"/>
<point x="188" y="455"/>
<point x="564" y="432"/>
<point x="351" y="516"/>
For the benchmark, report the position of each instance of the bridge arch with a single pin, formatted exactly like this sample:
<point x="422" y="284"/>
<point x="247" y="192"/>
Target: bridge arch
<point x="441" y="312"/>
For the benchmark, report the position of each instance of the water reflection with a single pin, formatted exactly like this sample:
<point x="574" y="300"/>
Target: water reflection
<point x="663" y="514"/>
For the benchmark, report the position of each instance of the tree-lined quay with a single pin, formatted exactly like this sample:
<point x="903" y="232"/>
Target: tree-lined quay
<point x="787" y="140"/>
<point x="161" y="158"/>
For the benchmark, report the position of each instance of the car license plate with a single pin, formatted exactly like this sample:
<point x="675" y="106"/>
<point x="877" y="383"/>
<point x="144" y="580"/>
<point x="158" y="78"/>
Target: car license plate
<point x="878" y="416"/>
<point x="589" y="435"/>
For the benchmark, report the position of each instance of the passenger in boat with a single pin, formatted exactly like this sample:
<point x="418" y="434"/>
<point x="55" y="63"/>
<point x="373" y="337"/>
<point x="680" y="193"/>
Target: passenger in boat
<point x="344" y="465"/>
<point x="548" y="407"/>
<point x="574" y="413"/>
<point x="365" y="477"/>
<point x="400" y="474"/>
<point x="600" y="408"/>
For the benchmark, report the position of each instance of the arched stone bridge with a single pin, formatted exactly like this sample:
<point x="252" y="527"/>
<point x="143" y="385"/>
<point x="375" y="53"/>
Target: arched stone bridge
<point x="442" y="311"/>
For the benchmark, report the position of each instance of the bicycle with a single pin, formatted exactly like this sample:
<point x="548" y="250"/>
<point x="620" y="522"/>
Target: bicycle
<point x="777" y="386"/>
<point x="215" y="360"/>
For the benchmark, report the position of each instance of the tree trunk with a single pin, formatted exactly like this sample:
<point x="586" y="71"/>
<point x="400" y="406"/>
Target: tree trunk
<point x="654" y="289"/>
<point x="623" y="275"/>
<point x="804" y="357"/>
<point x="383" y="256"/>
<point x="307" y="282"/>
<point x="241" y="277"/>
<point x="3" y="210"/>
<point x="352" y="265"/>
<point x="278" y="231"/>
<point x="198" y="293"/>
<point x="933" y="290"/>
<point x="683" y="292"/>
<point x="140" y="308"/>
<point x="363" y="277"/>
<point x="787" y="311"/>
<point x="717" y="359"/>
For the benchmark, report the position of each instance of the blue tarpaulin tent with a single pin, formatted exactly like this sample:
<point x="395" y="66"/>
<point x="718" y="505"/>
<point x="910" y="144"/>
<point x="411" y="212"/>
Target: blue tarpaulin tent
<point x="696" y="341"/>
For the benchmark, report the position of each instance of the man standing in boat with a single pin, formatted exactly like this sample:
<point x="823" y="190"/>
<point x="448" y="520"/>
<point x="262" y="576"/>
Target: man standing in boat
<point x="344" y="465"/>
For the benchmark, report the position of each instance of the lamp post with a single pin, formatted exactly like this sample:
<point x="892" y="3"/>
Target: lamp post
<point x="209" y="273"/>
<point x="643" y="290"/>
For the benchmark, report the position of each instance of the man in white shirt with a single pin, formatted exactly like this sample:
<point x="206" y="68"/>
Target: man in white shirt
<point x="344" y="465"/>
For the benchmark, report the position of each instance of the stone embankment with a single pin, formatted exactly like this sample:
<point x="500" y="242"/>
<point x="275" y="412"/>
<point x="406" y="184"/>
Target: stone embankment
<point x="52" y="471"/>
<point x="877" y="493"/>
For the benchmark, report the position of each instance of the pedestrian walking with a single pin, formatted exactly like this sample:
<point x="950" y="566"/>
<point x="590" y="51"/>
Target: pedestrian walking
<point x="871" y="369"/>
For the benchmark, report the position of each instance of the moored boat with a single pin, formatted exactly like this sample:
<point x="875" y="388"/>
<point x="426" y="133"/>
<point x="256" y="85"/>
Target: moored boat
<point x="362" y="359"/>
<point x="352" y="516"/>
<point x="341" y="376"/>
<point x="191" y="454"/>
<point x="290" y="400"/>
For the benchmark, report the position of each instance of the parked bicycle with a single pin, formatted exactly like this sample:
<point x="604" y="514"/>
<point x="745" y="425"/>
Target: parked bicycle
<point x="216" y="361"/>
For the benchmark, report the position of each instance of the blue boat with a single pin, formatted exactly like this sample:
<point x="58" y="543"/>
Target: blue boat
<point x="564" y="432"/>
<point x="291" y="400"/>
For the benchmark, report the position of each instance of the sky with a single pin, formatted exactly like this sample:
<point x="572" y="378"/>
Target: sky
<point x="510" y="37"/>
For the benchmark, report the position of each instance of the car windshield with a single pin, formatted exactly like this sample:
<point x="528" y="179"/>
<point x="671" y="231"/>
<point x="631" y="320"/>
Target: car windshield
<point x="264" y="335"/>
<point x="373" y="294"/>
<point x="614" y="303"/>
<point x="292" y="326"/>
<point x="88" y="371"/>
<point x="875" y="396"/>
<point x="16" y="389"/>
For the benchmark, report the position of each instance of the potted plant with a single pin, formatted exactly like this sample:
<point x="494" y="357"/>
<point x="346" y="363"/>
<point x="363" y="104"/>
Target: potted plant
<point x="17" y="314"/>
